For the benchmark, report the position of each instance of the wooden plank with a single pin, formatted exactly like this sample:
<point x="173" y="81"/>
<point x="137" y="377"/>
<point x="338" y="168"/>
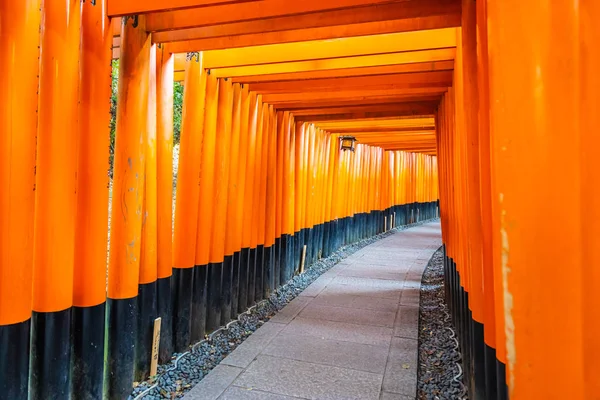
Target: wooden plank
<point x="326" y="33"/>
<point x="129" y="7"/>
<point x="347" y="72"/>
<point x="346" y="47"/>
<point x="372" y="13"/>
<point x="155" y="347"/>
<point x="387" y="81"/>
<point x="328" y="112"/>
<point x="409" y="111"/>
<point x="329" y="64"/>
<point x="244" y="11"/>
<point x="360" y="101"/>
<point x="352" y="95"/>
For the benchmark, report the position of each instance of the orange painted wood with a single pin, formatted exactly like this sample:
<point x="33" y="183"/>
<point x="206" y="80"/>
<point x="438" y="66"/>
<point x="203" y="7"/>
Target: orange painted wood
<point x="379" y="15"/>
<point x="19" y="67"/>
<point x="56" y="164"/>
<point x="195" y="98"/>
<point x="204" y="234"/>
<point x="148" y="250"/>
<point x="244" y="11"/>
<point x="164" y="159"/>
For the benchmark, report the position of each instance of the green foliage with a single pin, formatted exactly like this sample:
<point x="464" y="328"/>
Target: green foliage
<point x="177" y="111"/>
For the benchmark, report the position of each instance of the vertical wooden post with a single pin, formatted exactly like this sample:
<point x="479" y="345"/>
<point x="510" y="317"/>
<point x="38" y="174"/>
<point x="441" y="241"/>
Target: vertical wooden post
<point x="219" y="208"/>
<point x="248" y="241"/>
<point x="165" y="64"/>
<point x="590" y="206"/>
<point x="186" y="328"/>
<point x="536" y="135"/>
<point x="205" y="209"/>
<point x="54" y="237"/>
<point x="19" y="52"/>
<point x="489" y="314"/>
<point x="239" y="268"/>
<point x="127" y="205"/>
<point x="255" y="210"/>
<point x="146" y="303"/>
<point x="91" y="230"/>
<point x="233" y="216"/>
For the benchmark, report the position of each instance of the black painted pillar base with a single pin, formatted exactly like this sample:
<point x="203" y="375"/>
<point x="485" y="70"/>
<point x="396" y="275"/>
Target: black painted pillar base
<point x="478" y="357"/>
<point x="199" y="303"/>
<point x="213" y="314"/>
<point x="302" y="241"/>
<point x="14" y="360"/>
<point x="269" y="270"/>
<point x="165" y="312"/>
<point x="182" y="307"/>
<point x="501" y="380"/>
<point x="146" y="314"/>
<point x="491" y="389"/>
<point x="243" y="285"/>
<point x="326" y="239"/>
<point x="226" y="289"/>
<point x="50" y="355"/>
<point x="278" y="263"/>
<point x="259" y="282"/>
<point x="308" y="239"/>
<point x="282" y="257"/>
<point x="251" y="277"/>
<point x="122" y="326"/>
<point x="235" y="284"/>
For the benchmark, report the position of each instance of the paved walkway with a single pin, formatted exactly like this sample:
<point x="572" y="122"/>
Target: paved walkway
<point x="352" y="334"/>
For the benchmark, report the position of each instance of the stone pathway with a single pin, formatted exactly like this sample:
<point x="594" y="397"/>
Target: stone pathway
<point x="352" y="334"/>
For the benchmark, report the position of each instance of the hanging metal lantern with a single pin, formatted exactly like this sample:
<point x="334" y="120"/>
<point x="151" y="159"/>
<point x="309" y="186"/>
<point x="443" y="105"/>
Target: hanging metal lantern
<point x="347" y="142"/>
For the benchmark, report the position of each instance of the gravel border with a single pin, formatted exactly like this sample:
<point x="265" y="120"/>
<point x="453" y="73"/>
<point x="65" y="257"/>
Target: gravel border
<point x="187" y="369"/>
<point x="440" y="361"/>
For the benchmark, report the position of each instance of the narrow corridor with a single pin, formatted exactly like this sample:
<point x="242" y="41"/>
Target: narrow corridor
<point x="352" y="334"/>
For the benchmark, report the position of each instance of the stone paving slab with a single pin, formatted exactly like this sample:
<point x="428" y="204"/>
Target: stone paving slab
<point x="308" y="380"/>
<point x="352" y="334"/>
<point x="358" y="356"/>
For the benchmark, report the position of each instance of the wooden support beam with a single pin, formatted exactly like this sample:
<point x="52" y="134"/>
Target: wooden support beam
<point x="245" y="11"/>
<point x="350" y="116"/>
<point x="361" y="95"/>
<point x="327" y="65"/>
<point x="388" y="81"/>
<point x="379" y="16"/>
<point x="359" y="101"/>
<point x="383" y="123"/>
<point x="367" y="110"/>
<point x="349" y="72"/>
<point x="319" y="49"/>
<point x="326" y="33"/>
<point x="129" y="7"/>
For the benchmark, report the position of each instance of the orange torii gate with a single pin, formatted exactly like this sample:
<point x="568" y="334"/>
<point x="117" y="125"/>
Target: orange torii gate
<point x="430" y="88"/>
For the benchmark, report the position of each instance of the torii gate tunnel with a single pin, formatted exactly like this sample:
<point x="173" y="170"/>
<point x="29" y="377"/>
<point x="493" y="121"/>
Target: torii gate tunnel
<point x="481" y="112"/>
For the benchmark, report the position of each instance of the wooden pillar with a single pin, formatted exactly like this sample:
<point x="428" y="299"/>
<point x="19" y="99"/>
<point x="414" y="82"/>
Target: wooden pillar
<point x="54" y="237"/>
<point x="534" y="65"/>
<point x="233" y="223"/>
<point x="590" y="201"/>
<point x="204" y="235"/>
<point x="165" y="64"/>
<point x="91" y="230"/>
<point x="127" y="205"/>
<point x="494" y="362"/>
<point x="147" y="296"/>
<point x="219" y="205"/>
<point x="19" y="65"/>
<point x="187" y="202"/>
<point x="248" y="239"/>
<point x="239" y="268"/>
